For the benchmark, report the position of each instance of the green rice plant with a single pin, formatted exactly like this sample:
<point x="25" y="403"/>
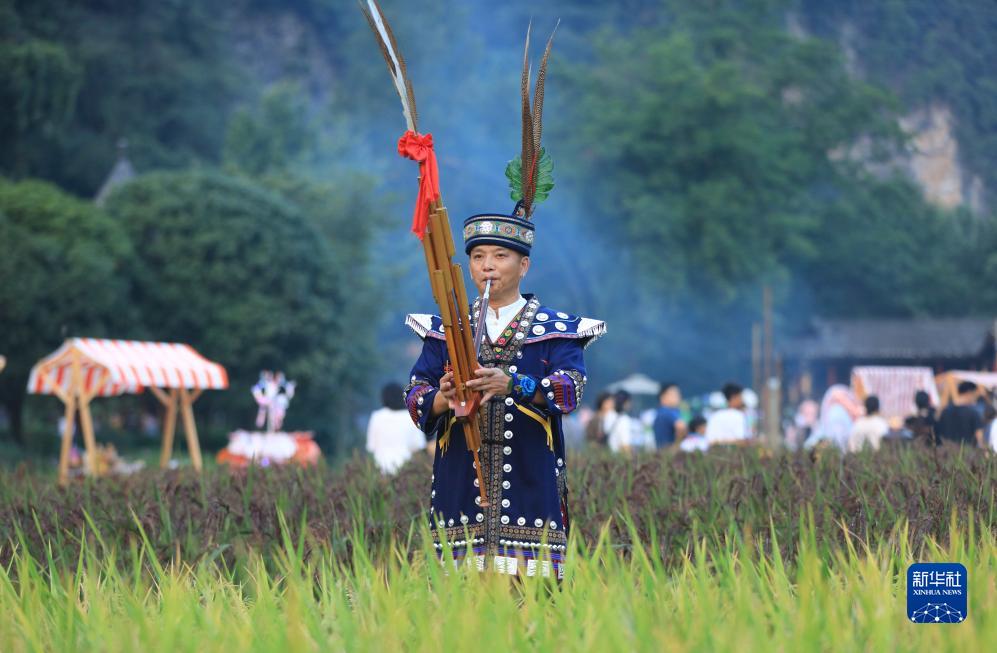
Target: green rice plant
<point x="671" y="499"/>
<point x="734" y="594"/>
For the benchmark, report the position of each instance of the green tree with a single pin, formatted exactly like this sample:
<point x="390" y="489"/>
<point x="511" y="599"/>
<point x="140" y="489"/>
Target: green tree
<point x="275" y="136"/>
<point x="62" y="274"/>
<point x="883" y="251"/>
<point x="278" y="145"/>
<point x="928" y="51"/>
<point x="84" y="74"/>
<point x="39" y="88"/>
<point x="245" y="277"/>
<point x="709" y="142"/>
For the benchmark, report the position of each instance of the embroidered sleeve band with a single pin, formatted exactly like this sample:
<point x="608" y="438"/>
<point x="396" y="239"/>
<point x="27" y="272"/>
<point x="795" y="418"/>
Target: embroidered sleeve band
<point x="419" y="396"/>
<point x="523" y="388"/>
<point x="563" y="390"/>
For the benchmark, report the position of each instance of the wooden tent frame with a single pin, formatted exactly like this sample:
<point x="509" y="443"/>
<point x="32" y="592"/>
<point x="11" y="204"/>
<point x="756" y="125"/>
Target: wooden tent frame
<point x="77" y="399"/>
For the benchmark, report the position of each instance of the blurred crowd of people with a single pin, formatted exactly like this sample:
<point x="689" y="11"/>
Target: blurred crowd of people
<point x="844" y="422"/>
<point x="729" y="416"/>
<point x="726" y="417"/>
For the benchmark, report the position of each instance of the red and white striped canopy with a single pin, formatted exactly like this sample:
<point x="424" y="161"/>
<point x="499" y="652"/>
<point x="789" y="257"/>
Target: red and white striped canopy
<point x="114" y="367"/>
<point x="896" y="387"/>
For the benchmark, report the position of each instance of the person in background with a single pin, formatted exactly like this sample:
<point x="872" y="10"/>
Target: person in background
<point x="899" y="434"/>
<point x="991" y="417"/>
<point x="922" y="423"/>
<point x="749" y="405"/>
<point x="869" y="429"/>
<point x="695" y="439"/>
<point x="714" y="401"/>
<point x="804" y="422"/>
<point x="619" y="426"/>
<point x="960" y="422"/>
<point x="668" y="425"/>
<point x="838" y="410"/>
<point x="595" y="429"/>
<point x="573" y="427"/>
<point x="729" y="424"/>
<point x="392" y="438"/>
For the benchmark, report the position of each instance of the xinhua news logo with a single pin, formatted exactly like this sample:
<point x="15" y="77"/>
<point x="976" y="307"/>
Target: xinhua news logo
<point x="937" y="593"/>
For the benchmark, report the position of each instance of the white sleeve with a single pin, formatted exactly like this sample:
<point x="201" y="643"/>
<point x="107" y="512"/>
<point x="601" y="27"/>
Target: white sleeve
<point x="854" y="438"/>
<point x="618" y="436"/>
<point x="417" y="439"/>
<point x="372" y="432"/>
<point x="629" y="435"/>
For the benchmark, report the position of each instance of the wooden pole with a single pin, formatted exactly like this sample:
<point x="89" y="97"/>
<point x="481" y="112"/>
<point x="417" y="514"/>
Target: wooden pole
<point x="69" y="427"/>
<point x="756" y="356"/>
<point x="770" y="422"/>
<point x="56" y="388"/>
<point x="190" y="429"/>
<point x="775" y="405"/>
<point x="995" y="345"/>
<point x="67" y="438"/>
<point x="169" y="402"/>
<point x="767" y="362"/>
<point x="86" y="422"/>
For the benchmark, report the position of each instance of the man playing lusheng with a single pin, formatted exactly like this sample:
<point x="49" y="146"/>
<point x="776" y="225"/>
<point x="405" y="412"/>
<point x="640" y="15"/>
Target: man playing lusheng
<point x="533" y="372"/>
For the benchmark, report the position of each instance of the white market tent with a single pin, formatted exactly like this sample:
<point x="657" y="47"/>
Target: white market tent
<point x="636" y="384"/>
<point x="85" y="368"/>
<point x="895" y="386"/>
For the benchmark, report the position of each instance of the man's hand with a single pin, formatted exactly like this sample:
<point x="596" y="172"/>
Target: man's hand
<point x="446" y="398"/>
<point x="490" y="381"/>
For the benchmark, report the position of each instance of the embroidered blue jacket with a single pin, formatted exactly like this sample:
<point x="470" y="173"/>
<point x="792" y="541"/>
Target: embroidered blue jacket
<point x="522" y="453"/>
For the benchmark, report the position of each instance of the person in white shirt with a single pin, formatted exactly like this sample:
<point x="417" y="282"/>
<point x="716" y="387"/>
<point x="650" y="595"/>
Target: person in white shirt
<point x="868" y="429"/>
<point x="729" y="424"/>
<point x="619" y="426"/>
<point x="391" y="436"/>
<point x="992" y="431"/>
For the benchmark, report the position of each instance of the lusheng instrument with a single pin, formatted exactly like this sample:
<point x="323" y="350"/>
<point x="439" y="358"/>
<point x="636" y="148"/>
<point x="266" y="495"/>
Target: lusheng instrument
<point x="432" y="226"/>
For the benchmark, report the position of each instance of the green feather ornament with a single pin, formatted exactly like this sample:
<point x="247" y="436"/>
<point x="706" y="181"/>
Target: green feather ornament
<point x="543" y="177"/>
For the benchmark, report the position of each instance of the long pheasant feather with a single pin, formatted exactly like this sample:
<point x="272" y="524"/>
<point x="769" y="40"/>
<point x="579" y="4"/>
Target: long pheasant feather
<point x="526" y="159"/>
<point x="538" y="95"/>
<point x="392" y="55"/>
<point x="530" y="174"/>
<point x="401" y="61"/>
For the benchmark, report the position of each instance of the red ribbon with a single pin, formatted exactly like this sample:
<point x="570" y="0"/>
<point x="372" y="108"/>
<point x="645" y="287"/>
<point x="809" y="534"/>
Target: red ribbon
<point x="419" y="147"/>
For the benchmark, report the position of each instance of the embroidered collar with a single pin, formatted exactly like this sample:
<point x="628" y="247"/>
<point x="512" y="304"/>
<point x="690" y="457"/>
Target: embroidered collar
<point x="498" y="320"/>
<point x="508" y="344"/>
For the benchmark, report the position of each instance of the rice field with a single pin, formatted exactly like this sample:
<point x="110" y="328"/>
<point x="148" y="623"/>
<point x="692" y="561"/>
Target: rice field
<point x="733" y="551"/>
